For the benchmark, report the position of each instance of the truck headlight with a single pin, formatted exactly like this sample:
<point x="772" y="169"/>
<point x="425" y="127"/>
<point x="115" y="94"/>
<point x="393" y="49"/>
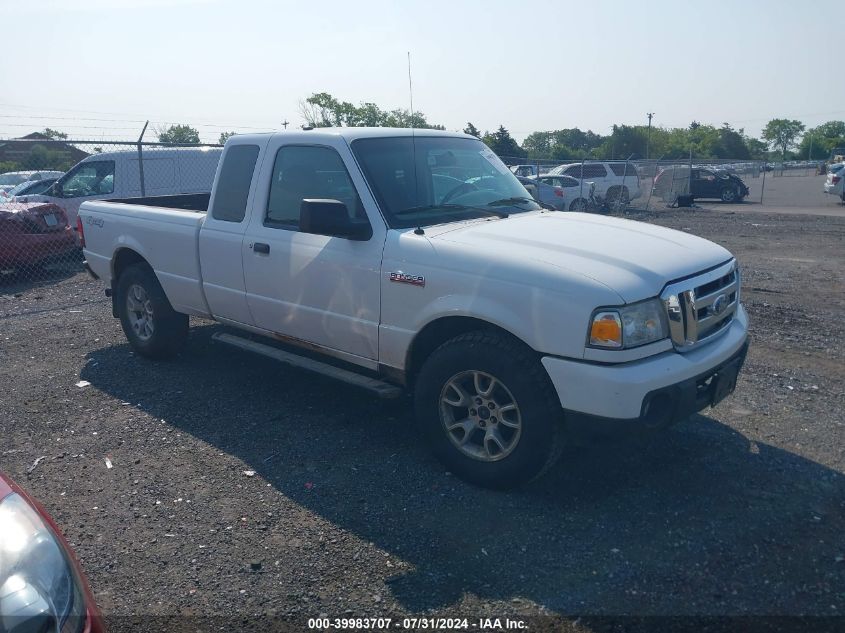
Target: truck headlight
<point x="629" y="326"/>
<point x="39" y="590"/>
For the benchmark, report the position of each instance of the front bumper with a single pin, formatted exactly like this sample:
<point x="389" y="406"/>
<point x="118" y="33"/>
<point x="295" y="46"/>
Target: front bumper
<point x="656" y="390"/>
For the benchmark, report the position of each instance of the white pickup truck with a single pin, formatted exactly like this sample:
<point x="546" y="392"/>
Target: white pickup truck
<point x="415" y="261"/>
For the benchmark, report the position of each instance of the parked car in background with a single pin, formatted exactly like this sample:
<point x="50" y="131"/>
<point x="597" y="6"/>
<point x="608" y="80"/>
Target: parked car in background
<point x="545" y="193"/>
<point x="524" y="170"/>
<point x="42" y="586"/>
<point x="578" y="196"/>
<point x="29" y="187"/>
<point x="11" y="179"/>
<point x="170" y="171"/>
<point x="617" y="183"/>
<point x="833" y="184"/>
<point x="34" y="233"/>
<point x="706" y="183"/>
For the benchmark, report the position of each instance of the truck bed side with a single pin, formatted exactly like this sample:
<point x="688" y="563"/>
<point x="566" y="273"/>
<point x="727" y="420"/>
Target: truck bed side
<point x="166" y="238"/>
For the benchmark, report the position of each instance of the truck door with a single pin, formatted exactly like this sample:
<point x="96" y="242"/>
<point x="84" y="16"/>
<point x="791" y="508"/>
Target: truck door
<point x="704" y="184"/>
<point x="320" y="289"/>
<point x="222" y="234"/>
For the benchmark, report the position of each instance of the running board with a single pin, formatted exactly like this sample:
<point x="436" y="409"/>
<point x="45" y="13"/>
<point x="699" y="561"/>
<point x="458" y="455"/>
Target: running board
<point x="373" y="385"/>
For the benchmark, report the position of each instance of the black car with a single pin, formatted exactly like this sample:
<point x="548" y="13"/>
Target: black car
<point x="706" y="183"/>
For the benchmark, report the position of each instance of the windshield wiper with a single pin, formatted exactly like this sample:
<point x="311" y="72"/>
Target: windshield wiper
<point x="453" y="207"/>
<point x="519" y="199"/>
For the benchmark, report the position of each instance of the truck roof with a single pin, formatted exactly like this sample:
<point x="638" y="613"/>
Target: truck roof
<point x="351" y="133"/>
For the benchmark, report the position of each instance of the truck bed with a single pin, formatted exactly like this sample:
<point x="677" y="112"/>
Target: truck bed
<point x="163" y="230"/>
<point x="183" y="201"/>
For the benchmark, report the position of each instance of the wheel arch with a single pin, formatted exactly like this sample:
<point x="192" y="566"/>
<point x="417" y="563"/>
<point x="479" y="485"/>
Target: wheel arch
<point x="440" y="330"/>
<point x="123" y="258"/>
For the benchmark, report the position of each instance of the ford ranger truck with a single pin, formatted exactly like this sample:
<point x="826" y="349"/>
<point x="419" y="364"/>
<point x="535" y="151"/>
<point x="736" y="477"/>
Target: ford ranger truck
<point x="415" y="261"/>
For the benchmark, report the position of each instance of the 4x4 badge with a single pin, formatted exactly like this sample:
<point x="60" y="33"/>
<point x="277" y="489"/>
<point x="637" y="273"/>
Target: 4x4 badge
<point x="404" y="278"/>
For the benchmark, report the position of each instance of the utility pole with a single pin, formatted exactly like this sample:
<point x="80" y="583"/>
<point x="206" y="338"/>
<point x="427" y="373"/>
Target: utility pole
<point x="285" y="124"/>
<point x="648" y="136"/>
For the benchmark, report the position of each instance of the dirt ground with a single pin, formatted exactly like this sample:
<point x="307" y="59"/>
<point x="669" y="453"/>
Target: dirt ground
<point x="735" y="512"/>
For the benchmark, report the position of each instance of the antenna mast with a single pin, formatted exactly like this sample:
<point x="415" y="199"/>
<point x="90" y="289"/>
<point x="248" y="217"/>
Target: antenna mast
<point x="410" y="89"/>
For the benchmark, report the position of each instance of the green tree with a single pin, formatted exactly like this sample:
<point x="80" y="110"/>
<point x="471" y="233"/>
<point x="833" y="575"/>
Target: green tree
<point x="504" y="144"/>
<point x="179" y="134"/>
<point x="45" y="157"/>
<point x="731" y="143"/>
<point x="757" y="149"/>
<point x="782" y="133"/>
<point x="224" y="136"/>
<point x="54" y="134"/>
<point x="322" y="109"/>
<point x="624" y="141"/>
<point x="819" y="142"/>
<point x="472" y="130"/>
<point x="538" y="144"/>
<point x="561" y="144"/>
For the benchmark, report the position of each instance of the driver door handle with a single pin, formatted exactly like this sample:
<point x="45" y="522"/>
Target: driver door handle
<point x="261" y="247"/>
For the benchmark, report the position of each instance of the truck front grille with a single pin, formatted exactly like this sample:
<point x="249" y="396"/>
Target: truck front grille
<point x="702" y="307"/>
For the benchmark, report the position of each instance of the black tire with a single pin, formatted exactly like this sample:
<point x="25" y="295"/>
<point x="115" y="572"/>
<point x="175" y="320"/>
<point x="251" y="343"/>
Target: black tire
<point x="579" y="204"/>
<point x="169" y="329"/>
<point x="729" y="194"/>
<point x="617" y="199"/>
<point x="517" y="368"/>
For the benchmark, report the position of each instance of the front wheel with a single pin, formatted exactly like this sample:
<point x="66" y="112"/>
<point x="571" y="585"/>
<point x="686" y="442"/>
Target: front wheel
<point x="578" y="205"/>
<point x="152" y="326"/>
<point x="729" y="194"/>
<point x="488" y="410"/>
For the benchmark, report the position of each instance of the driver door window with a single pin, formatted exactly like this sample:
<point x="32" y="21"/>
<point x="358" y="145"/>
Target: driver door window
<point x="90" y="179"/>
<point x="302" y="172"/>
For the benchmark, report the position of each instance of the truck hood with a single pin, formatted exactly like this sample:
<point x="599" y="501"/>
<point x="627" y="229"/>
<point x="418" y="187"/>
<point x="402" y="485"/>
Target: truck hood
<point x="634" y="259"/>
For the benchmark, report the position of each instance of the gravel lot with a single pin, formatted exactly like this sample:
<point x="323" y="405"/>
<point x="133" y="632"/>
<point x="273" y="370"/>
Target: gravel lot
<point x="739" y="511"/>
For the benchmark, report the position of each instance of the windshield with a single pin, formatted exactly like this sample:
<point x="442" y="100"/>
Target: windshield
<point x="91" y="178"/>
<point x="456" y="179"/>
<point x="12" y="179"/>
<point x="20" y="188"/>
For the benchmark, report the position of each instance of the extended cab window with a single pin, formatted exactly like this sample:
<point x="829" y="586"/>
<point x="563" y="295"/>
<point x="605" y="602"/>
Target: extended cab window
<point x="304" y="171"/>
<point x="233" y="185"/>
<point x="94" y="178"/>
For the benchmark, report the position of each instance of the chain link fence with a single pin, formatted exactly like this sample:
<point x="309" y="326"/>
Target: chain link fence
<point x="44" y="182"/>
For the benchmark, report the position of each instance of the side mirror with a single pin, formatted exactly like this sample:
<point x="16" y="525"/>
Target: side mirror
<point x="330" y="217"/>
<point x="54" y="190"/>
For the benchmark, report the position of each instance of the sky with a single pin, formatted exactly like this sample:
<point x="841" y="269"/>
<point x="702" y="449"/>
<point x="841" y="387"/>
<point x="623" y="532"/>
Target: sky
<point x="100" y="68"/>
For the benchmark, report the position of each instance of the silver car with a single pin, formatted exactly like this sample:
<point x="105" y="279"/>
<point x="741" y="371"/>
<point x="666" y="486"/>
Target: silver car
<point x="576" y="197"/>
<point x="544" y="193"/>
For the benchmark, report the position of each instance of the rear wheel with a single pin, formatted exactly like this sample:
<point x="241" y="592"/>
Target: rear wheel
<point x="578" y="205"/>
<point x="488" y="410"/>
<point x="152" y="326"/>
<point x="617" y="199"/>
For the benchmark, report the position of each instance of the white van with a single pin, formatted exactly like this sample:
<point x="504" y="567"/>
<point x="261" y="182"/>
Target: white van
<point x="116" y="175"/>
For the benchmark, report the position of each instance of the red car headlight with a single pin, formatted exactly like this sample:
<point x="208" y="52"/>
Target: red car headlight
<point x="39" y="588"/>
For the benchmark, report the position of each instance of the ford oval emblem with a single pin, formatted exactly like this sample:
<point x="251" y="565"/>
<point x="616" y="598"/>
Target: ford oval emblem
<point x="720" y="304"/>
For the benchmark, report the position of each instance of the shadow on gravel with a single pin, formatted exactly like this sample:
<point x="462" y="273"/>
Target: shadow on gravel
<point x="22" y="280"/>
<point x="699" y="520"/>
